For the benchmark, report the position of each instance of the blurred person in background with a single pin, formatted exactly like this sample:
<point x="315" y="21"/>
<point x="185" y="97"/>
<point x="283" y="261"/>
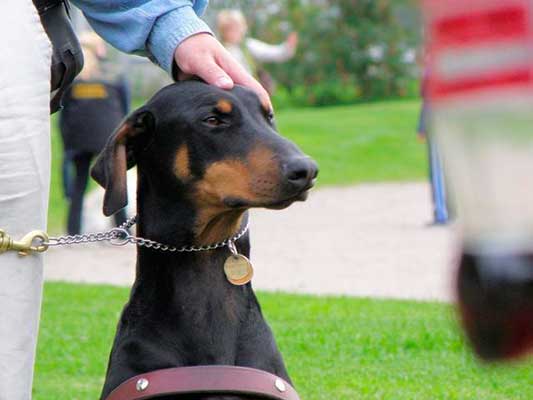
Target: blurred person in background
<point x="251" y="52"/>
<point x="436" y="175"/>
<point x="92" y="108"/>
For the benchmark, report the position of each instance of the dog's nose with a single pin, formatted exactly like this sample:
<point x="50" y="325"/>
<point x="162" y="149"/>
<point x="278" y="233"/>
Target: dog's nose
<point x="300" y="173"/>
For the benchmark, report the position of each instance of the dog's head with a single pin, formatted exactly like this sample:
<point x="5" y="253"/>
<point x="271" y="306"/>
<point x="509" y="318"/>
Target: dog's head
<point x="219" y="148"/>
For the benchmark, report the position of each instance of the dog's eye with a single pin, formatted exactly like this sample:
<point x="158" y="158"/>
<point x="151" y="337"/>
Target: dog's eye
<point x="213" y="121"/>
<point x="270" y="117"/>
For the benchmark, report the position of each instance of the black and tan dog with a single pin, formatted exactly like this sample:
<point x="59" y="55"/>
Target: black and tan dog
<point x="204" y="157"/>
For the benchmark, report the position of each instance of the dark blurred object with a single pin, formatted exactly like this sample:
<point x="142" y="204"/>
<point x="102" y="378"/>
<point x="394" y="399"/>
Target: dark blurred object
<point x="92" y="109"/>
<point x="496" y="300"/>
<point x="67" y="56"/>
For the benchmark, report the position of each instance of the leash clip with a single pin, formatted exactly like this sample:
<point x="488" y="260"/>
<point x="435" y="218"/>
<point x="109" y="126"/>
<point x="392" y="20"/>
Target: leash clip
<point x="121" y="237"/>
<point x="35" y="241"/>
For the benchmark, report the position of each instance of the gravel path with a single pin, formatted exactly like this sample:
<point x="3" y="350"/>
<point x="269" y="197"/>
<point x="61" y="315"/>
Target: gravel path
<point x="365" y="240"/>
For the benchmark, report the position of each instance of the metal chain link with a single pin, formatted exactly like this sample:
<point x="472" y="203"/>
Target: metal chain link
<point x="129" y="223"/>
<point x="119" y="236"/>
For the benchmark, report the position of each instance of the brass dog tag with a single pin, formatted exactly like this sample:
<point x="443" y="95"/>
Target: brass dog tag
<point x="238" y="269"/>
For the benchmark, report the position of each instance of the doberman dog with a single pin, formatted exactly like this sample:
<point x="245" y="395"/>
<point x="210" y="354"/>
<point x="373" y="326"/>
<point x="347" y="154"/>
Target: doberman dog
<point x="204" y="157"/>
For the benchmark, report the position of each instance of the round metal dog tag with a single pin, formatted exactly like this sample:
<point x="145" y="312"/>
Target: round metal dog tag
<point x="238" y="269"/>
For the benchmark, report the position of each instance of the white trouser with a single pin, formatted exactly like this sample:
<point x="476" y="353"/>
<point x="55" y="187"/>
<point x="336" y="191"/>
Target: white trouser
<point x="24" y="185"/>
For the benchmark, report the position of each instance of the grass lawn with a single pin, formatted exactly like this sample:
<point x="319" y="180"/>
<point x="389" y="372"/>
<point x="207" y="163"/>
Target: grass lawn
<point x="360" y="143"/>
<point x="335" y="348"/>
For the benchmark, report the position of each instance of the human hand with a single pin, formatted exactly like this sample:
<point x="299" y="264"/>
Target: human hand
<point x="292" y="41"/>
<point x="203" y="55"/>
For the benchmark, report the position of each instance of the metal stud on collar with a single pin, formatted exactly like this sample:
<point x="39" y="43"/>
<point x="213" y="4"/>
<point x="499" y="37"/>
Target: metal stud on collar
<point x="142" y="384"/>
<point x="280" y="385"/>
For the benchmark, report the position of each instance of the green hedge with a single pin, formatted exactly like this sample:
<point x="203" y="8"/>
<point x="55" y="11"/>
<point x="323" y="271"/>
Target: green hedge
<point x="349" y="49"/>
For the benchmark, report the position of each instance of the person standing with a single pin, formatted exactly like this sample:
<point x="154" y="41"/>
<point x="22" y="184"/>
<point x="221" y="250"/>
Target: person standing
<point x="83" y="130"/>
<point x="24" y="185"/>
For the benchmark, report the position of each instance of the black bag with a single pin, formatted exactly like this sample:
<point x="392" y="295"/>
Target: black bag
<point x="67" y="57"/>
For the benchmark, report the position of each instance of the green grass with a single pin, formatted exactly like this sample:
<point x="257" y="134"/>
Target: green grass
<point x="360" y="143"/>
<point x="334" y="348"/>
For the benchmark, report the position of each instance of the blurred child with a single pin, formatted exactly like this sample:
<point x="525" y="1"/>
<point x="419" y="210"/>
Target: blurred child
<point x="249" y="52"/>
<point x="93" y="108"/>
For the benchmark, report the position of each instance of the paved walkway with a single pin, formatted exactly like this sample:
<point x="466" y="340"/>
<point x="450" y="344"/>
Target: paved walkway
<point x="365" y="240"/>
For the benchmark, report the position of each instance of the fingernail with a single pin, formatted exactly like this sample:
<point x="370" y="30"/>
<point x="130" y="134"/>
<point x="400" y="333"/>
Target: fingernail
<point x="224" y="82"/>
<point x="267" y="105"/>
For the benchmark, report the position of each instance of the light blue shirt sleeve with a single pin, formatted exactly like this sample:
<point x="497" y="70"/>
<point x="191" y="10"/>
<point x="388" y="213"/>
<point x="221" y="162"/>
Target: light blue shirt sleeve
<point x="153" y="28"/>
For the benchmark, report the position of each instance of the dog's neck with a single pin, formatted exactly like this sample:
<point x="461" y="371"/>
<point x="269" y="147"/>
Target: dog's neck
<point x="187" y="294"/>
<point x="174" y="220"/>
<point x="214" y="227"/>
<point x="167" y="215"/>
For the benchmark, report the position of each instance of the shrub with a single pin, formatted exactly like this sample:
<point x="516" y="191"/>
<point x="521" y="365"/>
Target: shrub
<point x="349" y="49"/>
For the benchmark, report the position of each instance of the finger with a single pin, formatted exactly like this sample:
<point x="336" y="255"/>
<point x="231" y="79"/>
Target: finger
<point x="210" y="72"/>
<point x="242" y="77"/>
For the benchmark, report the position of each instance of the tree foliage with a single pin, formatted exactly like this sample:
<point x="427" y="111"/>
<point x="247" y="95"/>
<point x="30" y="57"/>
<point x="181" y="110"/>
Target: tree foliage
<point x="349" y="49"/>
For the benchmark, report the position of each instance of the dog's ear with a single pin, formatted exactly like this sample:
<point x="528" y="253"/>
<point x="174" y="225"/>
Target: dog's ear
<point x="132" y="136"/>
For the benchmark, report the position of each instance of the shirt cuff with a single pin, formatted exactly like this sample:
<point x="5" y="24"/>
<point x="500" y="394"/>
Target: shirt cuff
<point x="170" y="30"/>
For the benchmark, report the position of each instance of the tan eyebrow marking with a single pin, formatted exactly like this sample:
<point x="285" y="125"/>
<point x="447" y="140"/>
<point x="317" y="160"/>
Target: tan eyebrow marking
<point x="181" y="163"/>
<point x="224" y="106"/>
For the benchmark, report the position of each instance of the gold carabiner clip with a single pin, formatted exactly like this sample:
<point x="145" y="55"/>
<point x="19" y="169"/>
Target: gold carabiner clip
<point x="35" y="241"/>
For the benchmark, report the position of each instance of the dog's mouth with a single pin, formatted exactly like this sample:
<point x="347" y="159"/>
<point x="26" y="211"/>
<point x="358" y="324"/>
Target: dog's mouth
<point x="302" y="196"/>
<point x="285" y="202"/>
